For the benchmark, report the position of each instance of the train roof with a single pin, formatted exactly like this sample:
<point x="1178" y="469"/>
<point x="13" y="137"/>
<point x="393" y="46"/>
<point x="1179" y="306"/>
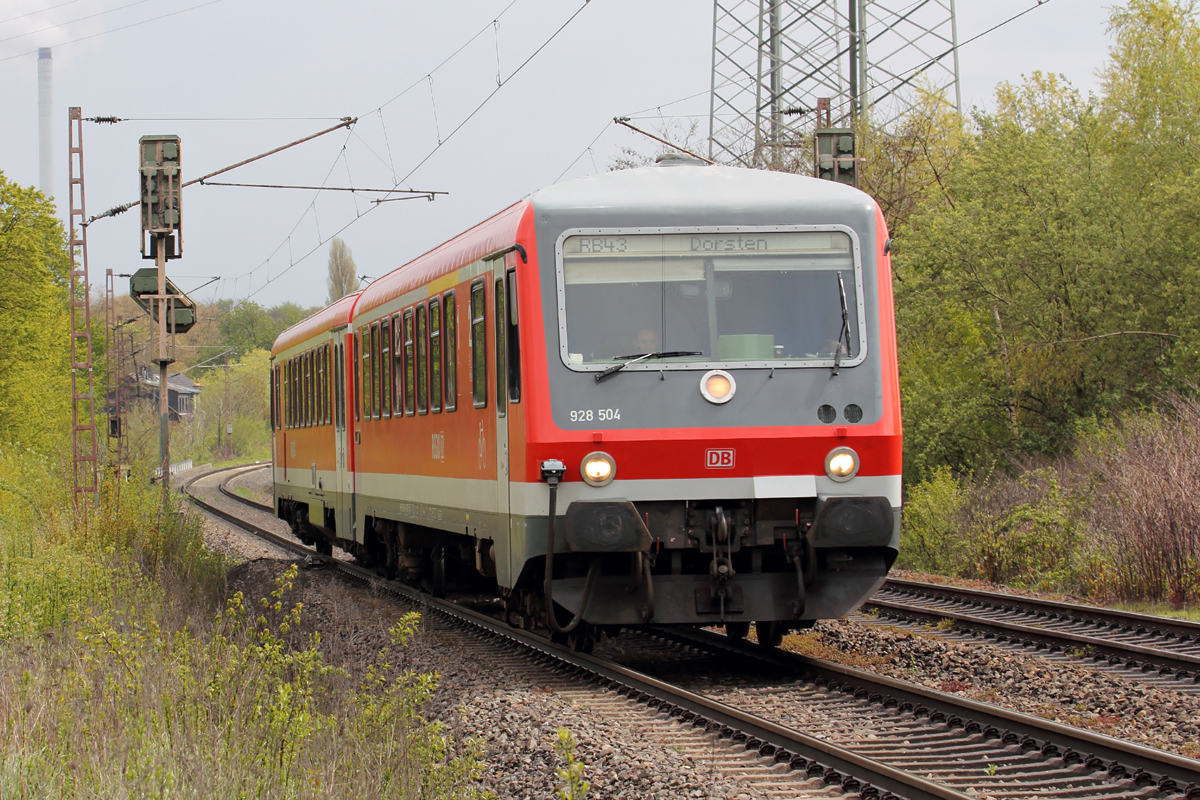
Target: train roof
<point x="327" y="318"/>
<point x="494" y="233"/>
<point x="691" y="188"/>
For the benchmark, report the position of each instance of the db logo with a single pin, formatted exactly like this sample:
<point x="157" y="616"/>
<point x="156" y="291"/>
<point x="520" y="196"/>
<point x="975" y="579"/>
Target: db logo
<point x="719" y="459"/>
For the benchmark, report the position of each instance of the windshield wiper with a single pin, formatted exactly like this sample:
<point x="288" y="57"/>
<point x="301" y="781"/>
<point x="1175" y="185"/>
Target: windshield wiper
<point x="845" y="331"/>
<point x="636" y="357"/>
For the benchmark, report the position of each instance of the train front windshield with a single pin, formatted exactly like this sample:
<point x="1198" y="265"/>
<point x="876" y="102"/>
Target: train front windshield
<point x="724" y="297"/>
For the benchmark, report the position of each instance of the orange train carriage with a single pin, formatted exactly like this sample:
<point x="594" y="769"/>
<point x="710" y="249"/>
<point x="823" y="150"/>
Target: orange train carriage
<point x="693" y="367"/>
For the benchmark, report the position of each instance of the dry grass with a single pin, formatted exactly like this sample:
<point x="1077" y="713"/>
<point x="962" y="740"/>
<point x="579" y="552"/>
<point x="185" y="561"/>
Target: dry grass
<point x="125" y="672"/>
<point x="1116" y="521"/>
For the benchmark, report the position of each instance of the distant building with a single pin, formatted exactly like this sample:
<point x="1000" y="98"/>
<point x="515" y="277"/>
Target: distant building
<point x="182" y="392"/>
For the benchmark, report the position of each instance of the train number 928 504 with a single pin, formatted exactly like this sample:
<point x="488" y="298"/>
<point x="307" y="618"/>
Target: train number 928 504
<point x="599" y="414"/>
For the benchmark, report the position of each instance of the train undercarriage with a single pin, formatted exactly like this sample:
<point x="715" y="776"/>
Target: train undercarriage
<point x="781" y="564"/>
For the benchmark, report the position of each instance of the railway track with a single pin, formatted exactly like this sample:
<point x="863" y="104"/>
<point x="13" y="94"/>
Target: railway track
<point x="880" y="737"/>
<point x="1157" y="649"/>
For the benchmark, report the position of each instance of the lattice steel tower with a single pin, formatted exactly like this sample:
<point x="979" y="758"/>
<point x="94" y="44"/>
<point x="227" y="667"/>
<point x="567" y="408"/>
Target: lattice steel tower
<point x="773" y="60"/>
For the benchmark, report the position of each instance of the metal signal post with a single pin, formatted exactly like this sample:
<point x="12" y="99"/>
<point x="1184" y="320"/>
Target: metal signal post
<point x="161" y="196"/>
<point x="83" y="388"/>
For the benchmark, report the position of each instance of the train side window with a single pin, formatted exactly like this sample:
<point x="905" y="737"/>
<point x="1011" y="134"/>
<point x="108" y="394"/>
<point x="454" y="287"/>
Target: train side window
<point x="514" y="340"/>
<point x="340" y="385"/>
<point x="302" y="389"/>
<point x="451" y="349"/>
<point x="271" y="399"/>
<point x="409" y="394"/>
<point x="309" y="394"/>
<point x="322" y="386"/>
<point x="325" y="403"/>
<point x="366" y="372"/>
<point x="385" y="366"/>
<point x="422" y="361"/>
<point x="357" y="399"/>
<point x="376" y="389"/>
<point x="290" y="410"/>
<point x="334" y="370"/>
<point x="283" y="406"/>
<point x="397" y="366"/>
<point x="479" y="344"/>
<point x="435" y="356"/>
<point x="501" y="342"/>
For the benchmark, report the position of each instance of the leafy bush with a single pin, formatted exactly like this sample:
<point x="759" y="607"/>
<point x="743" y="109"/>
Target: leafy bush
<point x="1118" y="519"/>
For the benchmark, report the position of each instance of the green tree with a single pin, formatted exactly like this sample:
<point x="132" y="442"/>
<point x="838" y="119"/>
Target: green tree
<point x="343" y="274"/>
<point x="1058" y="277"/>
<point x="34" y="327"/>
<point x="248" y="327"/>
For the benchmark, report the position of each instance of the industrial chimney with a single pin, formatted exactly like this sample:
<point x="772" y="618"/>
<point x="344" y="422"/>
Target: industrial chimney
<point x="45" y="122"/>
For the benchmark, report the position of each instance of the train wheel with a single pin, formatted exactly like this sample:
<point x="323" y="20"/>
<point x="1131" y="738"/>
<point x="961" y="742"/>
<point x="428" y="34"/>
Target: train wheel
<point x="582" y="639"/>
<point x="438" y="576"/>
<point x="737" y="630"/>
<point x="324" y="546"/>
<point x="770" y="634"/>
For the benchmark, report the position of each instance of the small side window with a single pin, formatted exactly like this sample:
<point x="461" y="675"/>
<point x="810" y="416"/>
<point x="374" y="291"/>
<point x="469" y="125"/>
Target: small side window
<point x="409" y="367"/>
<point x="514" y="341"/>
<point x="357" y="388"/>
<point x="422" y="361"/>
<point x="479" y="344"/>
<point x="450" y="346"/>
<point x="501" y="342"/>
<point x="385" y="365"/>
<point x="435" y="356"/>
<point x="397" y="366"/>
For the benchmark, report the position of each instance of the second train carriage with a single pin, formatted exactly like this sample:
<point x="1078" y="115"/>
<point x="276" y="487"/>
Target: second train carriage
<point x="695" y="364"/>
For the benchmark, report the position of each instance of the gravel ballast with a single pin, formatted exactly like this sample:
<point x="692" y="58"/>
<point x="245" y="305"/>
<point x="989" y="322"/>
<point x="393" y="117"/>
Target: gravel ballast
<point x="1063" y="692"/>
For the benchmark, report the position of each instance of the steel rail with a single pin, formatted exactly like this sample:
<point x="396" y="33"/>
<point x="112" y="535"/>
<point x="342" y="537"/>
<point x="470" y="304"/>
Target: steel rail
<point x="1110" y="616"/>
<point x="816" y="757"/>
<point x="1120" y="758"/>
<point x="1134" y="655"/>
<point x="1055" y="740"/>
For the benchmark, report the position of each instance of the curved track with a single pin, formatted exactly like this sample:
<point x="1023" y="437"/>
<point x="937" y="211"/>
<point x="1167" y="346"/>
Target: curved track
<point x="1163" y="650"/>
<point x="926" y="744"/>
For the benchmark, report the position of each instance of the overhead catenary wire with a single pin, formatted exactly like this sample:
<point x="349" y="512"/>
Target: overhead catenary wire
<point x="73" y="21"/>
<point x="434" y="150"/>
<point x="114" y="30"/>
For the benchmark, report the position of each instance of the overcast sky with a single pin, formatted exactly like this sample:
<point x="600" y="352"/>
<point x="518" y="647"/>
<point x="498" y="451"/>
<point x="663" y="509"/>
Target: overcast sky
<point x="303" y="64"/>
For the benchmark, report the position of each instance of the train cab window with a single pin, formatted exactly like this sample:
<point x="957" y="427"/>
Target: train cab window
<point x="422" y="361"/>
<point x="479" y="344"/>
<point x="409" y="394"/>
<point x="385" y="366"/>
<point x="435" y="356"/>
<point x="451" y="350"/>
<point x="274" y="376"/>
<point x="514" y="340"/>
<point x="775" y="297"/>
<point x="501" y="341"/>
<point x="397" y="366"/>
<point x="357" y="388"/>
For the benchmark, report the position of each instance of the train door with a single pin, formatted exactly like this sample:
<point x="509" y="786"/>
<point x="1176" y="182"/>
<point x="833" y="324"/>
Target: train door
<point x="499" y="340"/>
<point x="344" y="484"/>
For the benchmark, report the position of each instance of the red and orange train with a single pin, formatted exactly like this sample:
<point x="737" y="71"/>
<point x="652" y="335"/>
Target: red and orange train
<point x="665" y="395"/>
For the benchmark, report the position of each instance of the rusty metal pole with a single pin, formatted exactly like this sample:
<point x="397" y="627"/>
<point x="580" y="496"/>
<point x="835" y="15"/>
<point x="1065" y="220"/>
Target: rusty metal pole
<point x="164" y="413"/>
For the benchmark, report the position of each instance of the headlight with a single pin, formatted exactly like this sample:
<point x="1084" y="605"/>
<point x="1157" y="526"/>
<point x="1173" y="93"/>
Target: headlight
<point x="598" y="469"/>
<point x="841" y="464"/>
<point x="718" y="386"/>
